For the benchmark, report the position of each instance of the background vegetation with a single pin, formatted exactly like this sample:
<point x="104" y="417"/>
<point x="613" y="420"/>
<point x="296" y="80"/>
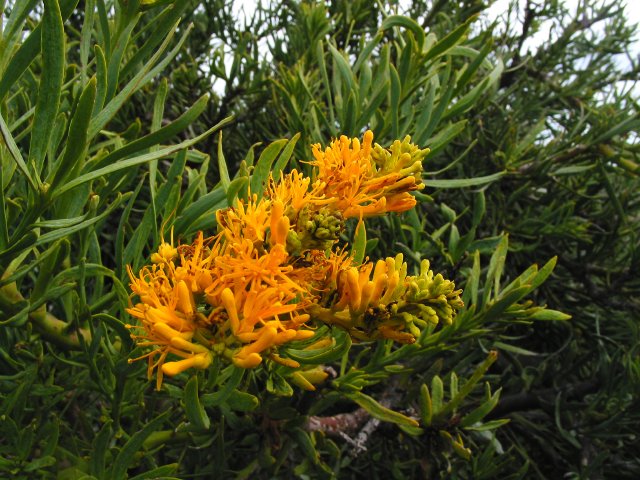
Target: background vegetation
<point x="111" y="113"/>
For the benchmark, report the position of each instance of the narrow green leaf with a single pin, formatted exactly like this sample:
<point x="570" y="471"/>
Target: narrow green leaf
<point x="478" y="373"/>
<point x="207" y="204"/>
<point x="237" y="186"/>
<point x="327" y="86"/>
<point x="437" y="394"/>
<point x="164" y="152"/>
<point x="395" y="93"/>
<point x="504" y="302"/>
<point x="285" y="156"/>
<point x="380" y="412"/>
<point x="482" y="411"/>
<point x="340" y="344"/>
<point x="303" y="441"/>
<point x="426" y="407"/>
<point x="101" y="80"/>
<point x="72" y="159"/>
<point x="359" y="245"/>
<point x="10" y="143"/>
<point x="449" y="41"/>
<point x="478" y="59"/>
<point x="158" y="473"/>
<point x="549" y="315"/>
<point x="242" y="401"/>
<point x="193" y="408"/>
<point x="474" y="279"/>
<point x="15" y="248"/>
<point x="464" y="182"/>
<point x="28" y="51"/>
<point x="163" y="134"/>
<point x="222" y="166"/>
<point x="159" y="28"/>
<point x="366" y="52"/>
<point x="263" y="166"/>
<point x="233" y="380"/>
<point x="405" y="22"/>
<point x="150" y="70"/>
<point x="496" y="265"/>
<point x="127" y="453"/>
<point x="515" y="349"/>
<point x="4" y="227"/>
<point x="544" y="273"/>
<point x="85" y="36"/>
<point x="50" y="87"/>
<point x="343" y="67"/>
<point x="490" y="425"/>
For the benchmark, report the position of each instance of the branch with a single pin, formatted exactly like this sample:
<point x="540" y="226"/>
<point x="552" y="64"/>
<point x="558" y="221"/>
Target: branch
<point x="48" y="325"/>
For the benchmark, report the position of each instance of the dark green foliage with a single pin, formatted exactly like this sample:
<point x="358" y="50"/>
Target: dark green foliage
<point x="534" y="165"/>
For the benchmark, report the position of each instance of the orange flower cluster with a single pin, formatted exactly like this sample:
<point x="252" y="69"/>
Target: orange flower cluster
<point x="274" y="269"/>
<point x="362" y="180"/>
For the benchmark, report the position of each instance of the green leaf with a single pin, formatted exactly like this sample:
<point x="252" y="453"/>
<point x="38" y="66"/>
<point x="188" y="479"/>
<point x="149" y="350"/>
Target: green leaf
<point x="549" y="315"/>
<point x="63" y="232"/>
<point x="193" y="408"/>
<point x="340" y="343"/>
<point x="496" y="308"/>
<point x="222" y="166"/>
<point x="380" y="412"/>
<point x="75" y="149"/>
<point x="10" y="143"/>
<point x="426" y="407"/>
<point x="237" y="189"/>
<point x="159" y="473"/>
<point x="160" y="135"/>
<point x="515" y="349"/>
<point x="405" y="22"/>
<point x="50" y="87"/>
<point x="304" y="442"/>
<point x="359" y="245"/>
<point x="100" y="447"/>
<point x="366" y="52"/>
<point x="263" y="166"/>
<point x="235" y="375"/>
<point x="449" y="41"/>
<point x="544" y="273"/>
<point x="482" y="411"/>
<point x="157" y="29"/>
<point x="490" y="425"/>
<point x="130" y="162"/>
<point x="479" y="372"/>
<point x="28" y="51"/>
<point x="285" y="156"/>
<point x="437" y="394"/>
<point x="146" y="73"/>
<point x="127" y="453"/>
<point x="343" y="67"/>
<point x="207" y="204"/>
<point x="242" y="401"/>
<point x="394" y="93"/>
<point x="27" y="241"/>
<point x="496" y="265"/>
<point x="464" y="182"/>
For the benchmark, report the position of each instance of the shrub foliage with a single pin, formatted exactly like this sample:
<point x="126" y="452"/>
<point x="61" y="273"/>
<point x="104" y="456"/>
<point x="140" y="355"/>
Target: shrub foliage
<point x="131" y="125"/>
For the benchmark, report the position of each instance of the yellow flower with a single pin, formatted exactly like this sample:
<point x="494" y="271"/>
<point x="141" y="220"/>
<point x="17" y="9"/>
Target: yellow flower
<point x="272" y="268"/>
<point x="247" y="220"/>
<point x="168" y="319"/>
<point x="365" y="181"/>
<point x="382" y="301"/>
<point x="293" y="191"/>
